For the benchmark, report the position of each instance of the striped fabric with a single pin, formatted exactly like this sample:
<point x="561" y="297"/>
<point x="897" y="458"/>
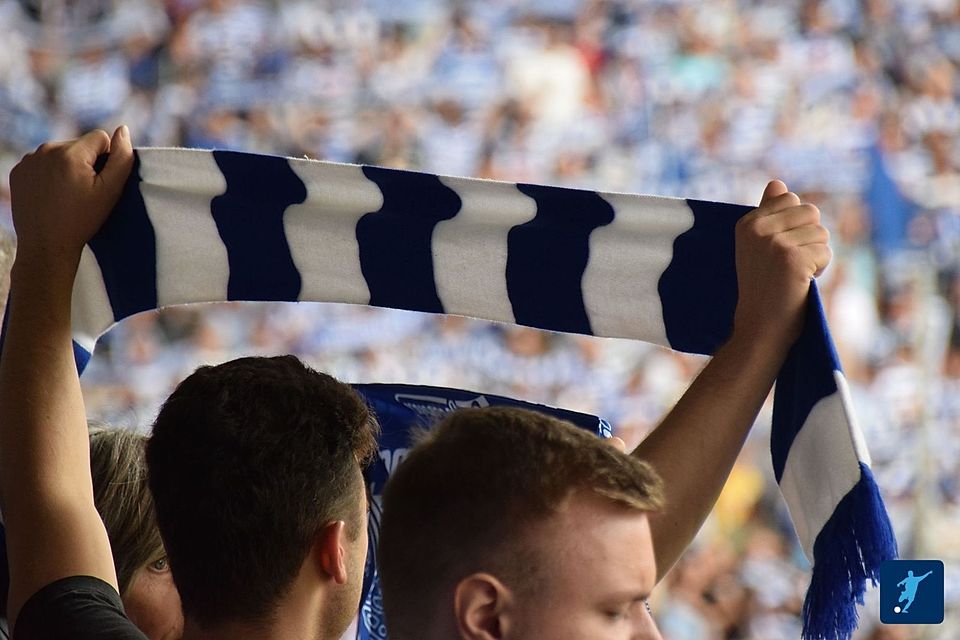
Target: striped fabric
<point x="401" y="408"/>
<point x="197" y="226"/>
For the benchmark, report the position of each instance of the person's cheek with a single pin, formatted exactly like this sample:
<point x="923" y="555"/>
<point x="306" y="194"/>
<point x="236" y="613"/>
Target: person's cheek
<point x="153" y="604"/>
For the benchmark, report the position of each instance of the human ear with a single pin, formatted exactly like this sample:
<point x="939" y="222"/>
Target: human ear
<point x="328" y="549"/>
<point x="483" y="607"/>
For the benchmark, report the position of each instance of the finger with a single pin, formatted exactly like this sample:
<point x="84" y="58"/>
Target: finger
<point x="778" y="203"/>
<point x="91" y="144"/>
<point x="821" y="255"/>
<point x="617" y="443"/>
<point x="813" y="258"/>
<point x="774" y="189"/>
<point x="115" y="172"/>
<point x="806" y="235"/>
<point x="786" y="219"/>
<point x="47" y="147"/>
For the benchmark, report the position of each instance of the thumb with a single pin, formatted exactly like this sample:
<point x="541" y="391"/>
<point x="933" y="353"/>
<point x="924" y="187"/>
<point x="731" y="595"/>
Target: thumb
<point x="117" y="168"/>
<point x="617" y="443"/>
<point x="774" y="188"/>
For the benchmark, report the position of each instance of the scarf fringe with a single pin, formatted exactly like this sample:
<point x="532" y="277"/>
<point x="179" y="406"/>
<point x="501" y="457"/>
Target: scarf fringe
<point x="848" y="551"/>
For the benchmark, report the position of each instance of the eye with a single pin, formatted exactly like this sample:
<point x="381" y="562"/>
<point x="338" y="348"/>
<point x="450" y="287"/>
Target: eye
<point x="160" y="565"/>
<point x="618" y="615"/>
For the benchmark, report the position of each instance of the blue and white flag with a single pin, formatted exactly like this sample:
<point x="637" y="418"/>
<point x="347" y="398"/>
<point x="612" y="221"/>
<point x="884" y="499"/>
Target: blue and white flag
<point x="197" y="226"/>
<point x="401" y="409"/>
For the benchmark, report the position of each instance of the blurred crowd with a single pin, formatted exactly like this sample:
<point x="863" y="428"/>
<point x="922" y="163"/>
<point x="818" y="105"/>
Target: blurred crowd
<point x="853" y="103"/>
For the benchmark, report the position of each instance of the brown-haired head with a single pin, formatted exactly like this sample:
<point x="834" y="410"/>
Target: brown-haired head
<point x="248" y="460"/>
<point x="469" y="490"/>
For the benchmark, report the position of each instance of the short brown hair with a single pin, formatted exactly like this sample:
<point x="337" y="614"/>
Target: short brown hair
<point x="248" y="460"/>
<point x="123" y="499"/>
<point x="467" y="492"/>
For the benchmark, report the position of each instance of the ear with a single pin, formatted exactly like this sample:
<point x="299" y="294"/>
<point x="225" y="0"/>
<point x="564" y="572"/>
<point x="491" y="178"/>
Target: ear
<point x="329" y="551"/>
<point x="483" y="607"/>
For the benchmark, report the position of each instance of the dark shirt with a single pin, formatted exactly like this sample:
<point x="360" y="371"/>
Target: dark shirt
<point x="75" y="608"/>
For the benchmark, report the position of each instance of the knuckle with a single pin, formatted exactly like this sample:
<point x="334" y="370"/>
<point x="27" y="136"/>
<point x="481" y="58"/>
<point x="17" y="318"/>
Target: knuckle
<point x="791" y="198"/>
<point x="780" y="245"/>
<point x="812" y="210"/>
<point x="747" y="219"/>
<point x="744" y="225"/>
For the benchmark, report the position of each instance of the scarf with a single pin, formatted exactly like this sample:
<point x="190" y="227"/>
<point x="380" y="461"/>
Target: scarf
<point x="199" y="226"/>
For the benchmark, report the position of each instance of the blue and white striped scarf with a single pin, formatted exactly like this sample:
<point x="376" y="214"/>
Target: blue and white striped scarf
<point x="196" y="226"/>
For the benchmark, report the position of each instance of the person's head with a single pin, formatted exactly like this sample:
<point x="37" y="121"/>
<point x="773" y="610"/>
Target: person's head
<point x="123" y="500"/>
<point x="255" y="467"/>
<point x="505" y="523"/>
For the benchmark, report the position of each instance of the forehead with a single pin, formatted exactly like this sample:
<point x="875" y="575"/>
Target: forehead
<point x="593" y="544"/>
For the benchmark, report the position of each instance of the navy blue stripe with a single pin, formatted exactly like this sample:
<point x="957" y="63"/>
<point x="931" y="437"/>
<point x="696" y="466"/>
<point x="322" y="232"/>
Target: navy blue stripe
<point x="698" y="289"/>
<point x="547" y="257"/>
<point x="396" y="255"/>
<point x="126" y="250"/>
<point x="249" y="217"/>
<point x="81" y="357"/>
<point x="805" y="378"/>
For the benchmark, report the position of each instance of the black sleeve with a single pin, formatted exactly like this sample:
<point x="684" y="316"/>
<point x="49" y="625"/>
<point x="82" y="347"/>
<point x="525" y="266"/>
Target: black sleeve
<point x="78" y="608"/>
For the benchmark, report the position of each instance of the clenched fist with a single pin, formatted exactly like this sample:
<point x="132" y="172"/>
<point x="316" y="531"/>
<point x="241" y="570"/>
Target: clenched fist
<point x="60" y="201"/>
<point x="780" y="247"/>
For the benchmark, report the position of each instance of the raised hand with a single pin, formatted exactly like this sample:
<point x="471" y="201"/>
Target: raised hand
<point x="60" y="201"/>
<point x="781" y="246"/>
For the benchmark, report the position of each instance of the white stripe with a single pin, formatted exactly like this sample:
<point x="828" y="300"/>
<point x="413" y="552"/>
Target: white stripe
<point x="470" y="250"/>
<point x="177" y="187"/>
<point x="822" y="465"/>
<point x="90" y="311"/>
<point x="856" y="433"/>
<point x="627" y="257"/>
<point x="322" y="231"/>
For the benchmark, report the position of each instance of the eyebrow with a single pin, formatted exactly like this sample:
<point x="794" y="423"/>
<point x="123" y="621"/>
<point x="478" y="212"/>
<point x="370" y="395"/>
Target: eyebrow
<point x="632" y="596"/>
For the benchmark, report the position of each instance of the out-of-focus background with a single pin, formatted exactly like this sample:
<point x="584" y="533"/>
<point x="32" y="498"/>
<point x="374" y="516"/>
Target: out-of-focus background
<point x="854" y="103"/>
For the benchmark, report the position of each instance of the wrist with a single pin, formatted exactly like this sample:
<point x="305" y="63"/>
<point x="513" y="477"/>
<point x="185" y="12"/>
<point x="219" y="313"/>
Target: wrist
<point x="762" y="339"/>
<point x="45" y="268"/>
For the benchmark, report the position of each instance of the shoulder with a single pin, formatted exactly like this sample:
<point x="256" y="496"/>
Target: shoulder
<point x="78" y="607"/>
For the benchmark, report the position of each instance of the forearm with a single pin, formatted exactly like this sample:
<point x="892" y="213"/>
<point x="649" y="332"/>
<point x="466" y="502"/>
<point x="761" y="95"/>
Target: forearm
<point x="695" y="446"/>
<point x="44" y="449"/>
<point x="53" y="529"/>
<point x="41" y="409"/>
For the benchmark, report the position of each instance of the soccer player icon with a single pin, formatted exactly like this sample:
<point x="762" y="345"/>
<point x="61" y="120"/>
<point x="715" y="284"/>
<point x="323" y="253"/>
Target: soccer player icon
<point x="909" y="589"/>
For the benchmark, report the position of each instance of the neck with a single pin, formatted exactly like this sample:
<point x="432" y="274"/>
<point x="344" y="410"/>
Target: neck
<point x="282" y="627"/>
<point x="298" y="615"/>
<point x="436" y="627"/>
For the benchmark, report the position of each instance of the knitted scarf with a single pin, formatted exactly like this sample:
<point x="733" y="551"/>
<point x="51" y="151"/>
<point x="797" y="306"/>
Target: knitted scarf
<point x="197" y="226"/>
